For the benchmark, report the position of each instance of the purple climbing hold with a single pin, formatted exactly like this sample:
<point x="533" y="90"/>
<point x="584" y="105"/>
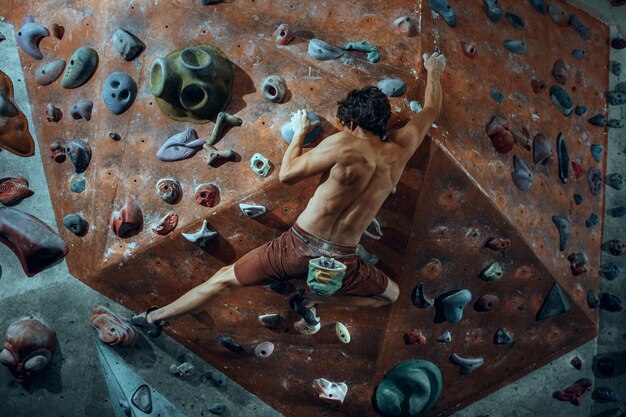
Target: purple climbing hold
<point x="594" y="178"/>
<point x="598" y="120"/>
<point x="29" y="36"/>
<point x="49" y="72"/>
<point x="580" y="27"/>
<point x="562" y="226"/>
<point x="486" y="302"/>
<point x="618" y="43"/>
<point x="82" y="110"/>
<point x="561" y="100"/>
<point x="181" y="146"/>
<point x="515" y="46"/>
<point x="522" y="177"/>
<point x="494" y="12"/>
<point x="563" y="158"/>
<point x="323" y="51"/>
<point x="443" y="9"/>
<point x="542" y="149"/>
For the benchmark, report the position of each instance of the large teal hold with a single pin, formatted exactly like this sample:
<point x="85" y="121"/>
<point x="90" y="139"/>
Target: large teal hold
<point x="287" y="130"/>
<point x="409" y="389"/>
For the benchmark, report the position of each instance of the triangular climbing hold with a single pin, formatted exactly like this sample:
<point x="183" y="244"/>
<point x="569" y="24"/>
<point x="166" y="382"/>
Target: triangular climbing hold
<point x="555" y="303"/>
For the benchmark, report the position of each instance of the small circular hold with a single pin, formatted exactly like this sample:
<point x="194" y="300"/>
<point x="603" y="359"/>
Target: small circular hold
<point x="169" y="190"/>
<point x="342" y="332"/>
<point x="274" y="88"/>
<point x="264" y="350"/>
<point x="618" y="43"/>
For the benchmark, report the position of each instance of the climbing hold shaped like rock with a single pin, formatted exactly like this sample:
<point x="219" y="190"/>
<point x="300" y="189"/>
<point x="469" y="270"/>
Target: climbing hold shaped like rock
<point x="598" y="120"/>
<point x="181" y="146"/>
<point x="469" y="49"/>
<point x="605" y="366"/>
<point x="579" y="27"/>
<point x="561" y="100"/>
<point x="491" y="273"/>
<point x="264" y="350"/>
<point x="82" y="110"/>
<point x="282" y="35"/>
<point x="184" y="370"/>
<point x="563" y="158"/>
<point x="142" y="399"/>
<point x="611" y="303"/>
<point x="606" y="394"/>
<point x="78" y="185"/>
<point x="616" y="97"/>
<point x="231" y="344"/>
<point x="128" y="221"/>
<point x="419" y="297"/>
<point x="537" y="85"/>
<point x="406" y="25"/>
<point x="555" y="304"/>
<point x="573" y="393"/>
<point x="342" y="332"/>
<point x="223" y="119"/>
<point x="57" y="31"/>
<point x="576" y="362"/>
<point x="558" y="15"/>
<point x="539" y="5"/>
<point x="496" y="96"/>
<point x="615" y="123"/>
<point x="617" y="211"/>
<point x="610" y="271"/>
<point x="486" y="302"/>
<point x="443" y="9"/>
<point x="515" y="20"/>
<point x="286" y="130"/>
<point x="498" y="131"/>
<point x="323" y="51"/>
<point x="592" y="299"/>
<point x="467" y="365"/>
<point x="498" y="244"/>
<point x="596" y="151"/>
<point x="127" y="44"/>
<point x="76" y="224"/>
<point x="393" y="87"/>
<point x="522" y="177"/>
<point x="167" y="224"/>
<point x="330" y="392"/>
<point x="559" y="72"/>
<point x="446" y="337"/>
<point x="594" y="178"/>
<point x="579" y="53"/>
<point x="202" y="237"/>
<point x="49" y="72"/>
<point x="562" y="225"/>
<point x="260" y="165"/>
<point x="502" y="337"/>
<point x="615" y="247"/>
<point x="53" y="114"/>
<point x="269" y="320"/>
<point x="578" y="263"/>
<point x="494" y="12"/>
<point x="454" y="303"/>
<point x="542" y="149"/>
<point x="207" y="195"/>
<point x="592" y="220"/>
<point x="274" y="88"/>
<point x="414" y="337"/>
<point x="13" y="190"/>
<point x="580" y="110"/>
<point x="169" y="190"/>
<point x="372" y="51"/>
<point x="218" y="378"/>
<point x="250" y="210"/>
<point x="615" y="180"/>
<point x="57" y="152"/>
<point x="14" y="134"/>
<point x="79" y="153"/>
<point x="80" y="67"/>
<point x="112" y="329"/>
<point x="578" y="199"/>
<point x="515" y="46"/>
<point x="29" y="36"/>
<point x="119" y="92"/>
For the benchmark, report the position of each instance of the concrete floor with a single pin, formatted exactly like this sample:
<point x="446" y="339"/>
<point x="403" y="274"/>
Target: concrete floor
<point x="74" y="384"/>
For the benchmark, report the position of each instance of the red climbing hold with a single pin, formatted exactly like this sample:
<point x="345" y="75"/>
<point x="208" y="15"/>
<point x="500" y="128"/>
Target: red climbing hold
<point x="538" y="85"/>
<point x="574" y="392"/>
<point x="282" y="35"/>
<point x="496" y="243"/>
<point x="469" y="49"/>
<point x="579" y="170"/>
<point x="498" y="131"/>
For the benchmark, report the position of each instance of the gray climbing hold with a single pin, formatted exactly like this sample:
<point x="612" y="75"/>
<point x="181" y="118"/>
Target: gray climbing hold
<point x="119" y="92"/>
<point x="592" y="220"/>
<point x="392" y="87"/>
<point x="80" y="67"/>
<point x="592" y="299"/>
<point x="615" y="180"/>
<point x="562" y="225"/>
<point x="580" y="110"/>
<point x="561" y="100"/>
<point x="49" y="72"/>
<point x="502" y="337"/>
<point x="79" y="152"/>
<point x="443" y="9"/>
<point x="454" y="303"/>
<point x="610" y="271"/>
<point x="82" y="110"/>
<point x="497" y="96"/>
<point x="598" y="120"/>
<point x="75" y="224"/>
<point x="218" y="378"/>
<point x="494" y="12"/>
<point x="420" y="299"/>
<point x="467" y="365"/>
<point x="579" y="53"/>
<point x="558" y="15"/>
<point x="616" y="97"/>
<point x="615" y="67"/>
<point x="445" y="337"/>
<point x="142" y="399"/>
<point x="250" y="210"/>
<point x="555" y="303"/>
<point x="127" y="44"/>
<point x="515" y="20"/>
<point x="614" y="123"/>
<point x="596" y="151"/>
<point x="563" y="158"/>
<point x="274" y="88"/>
<point x="515" y="46"/>
<point x="78" y="185"/>
<point x="621" y="87"/>
<point x="286" y="130"/>
<point x="323" y="51"/>
<point x="217" y="409"/>
<point x="202" y="237"/>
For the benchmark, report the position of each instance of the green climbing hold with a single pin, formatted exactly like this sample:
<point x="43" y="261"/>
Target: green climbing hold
<point x="372" y="52"/>
<point x="492" y="273"/>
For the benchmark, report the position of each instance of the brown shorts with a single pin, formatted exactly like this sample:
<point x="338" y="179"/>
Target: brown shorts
<point x="287" y="257"/>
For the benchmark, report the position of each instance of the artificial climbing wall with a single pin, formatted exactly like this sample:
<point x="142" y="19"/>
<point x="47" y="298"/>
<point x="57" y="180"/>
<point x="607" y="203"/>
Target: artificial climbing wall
<point x="455" y="194"/>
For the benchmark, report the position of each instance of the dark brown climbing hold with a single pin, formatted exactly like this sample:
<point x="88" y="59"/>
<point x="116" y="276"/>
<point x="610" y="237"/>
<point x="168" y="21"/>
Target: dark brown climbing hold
<point x="563" y="158"/>
<point x="53" y="114"/>
<point x="57" y="152"/>
<point x="13" y="190"/>
<point x="558" y="15"/>
<point x="169" y="190"/>
<point x="559" y="71"/>
<point x="79" y="153"/>
<point x="14" y="134"/>
<point x="496" y="243"/>
<point x="498" y="131"/>
<point x="579" y="170"/>
<point x="522" y="177"/>
<point x="605" y="366"/>
<point x="282" y="35"/>
<point x="594" y="179"/>
<point x="128" y="221"/>
<point x="542" y="149"/>
<point x="419" y="297"/>
<point x="167" y="224"/>
<point x="414" y="337"/>
<point x="562" y="226"/>
<point x="576" y="362"/>
<point x="49" y="72"/>
<point x="574" y="393"/>
<point x="555" y="303"/>
<point x="57" y="31"/>
<point x="207" y="195"/>
<point x="35" y="244"/>
<point x="82" y="110"/>
<point x="538" y="85"/>
<point x="578" y="263"/>
<point x="406" y="25"/>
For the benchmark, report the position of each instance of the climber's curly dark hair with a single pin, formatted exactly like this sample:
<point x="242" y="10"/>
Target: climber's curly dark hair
<point x="368" y="108"/>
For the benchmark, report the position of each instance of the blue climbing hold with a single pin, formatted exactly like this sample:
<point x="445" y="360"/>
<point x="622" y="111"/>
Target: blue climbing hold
<point x="578" y="199"/>
<point x="497" y="96"/>
<point x="606" y="394"/>
<point x="610" y="271"/>
<point x="579" y="53"/>
<point x="596" y="151"/>
<point x="580" y="110"/>
<point x="287" y="130"/>
<point x="392" y="87"/>
<point x="78" y="186"/>
<point x="592" y="220"/>
<point x="617" y="211"/>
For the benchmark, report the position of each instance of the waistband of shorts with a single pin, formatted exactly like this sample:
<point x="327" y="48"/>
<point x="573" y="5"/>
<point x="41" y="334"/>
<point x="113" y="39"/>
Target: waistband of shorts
<point x="325" y="245"/>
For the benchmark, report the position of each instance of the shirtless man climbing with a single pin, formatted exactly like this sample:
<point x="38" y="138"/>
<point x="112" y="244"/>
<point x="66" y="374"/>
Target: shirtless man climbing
<point x="360" y="166"/>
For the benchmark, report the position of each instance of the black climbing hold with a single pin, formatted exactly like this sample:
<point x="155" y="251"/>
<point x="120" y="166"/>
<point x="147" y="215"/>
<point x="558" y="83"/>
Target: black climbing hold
<point x="615" y="124"/>
<point x="539" y="6"/>
<point x="576" y="362"/>
<point x="615" y="180"/>
<point x="232" y="345"/>
<point x="615" y="247"/>
<point x="467" y="365"/>
<point x="578" y="199"/>
<point x="580" y="110"/>
<point x="617" y="211"/>
<point x="515" y="46"/>
<point x="217" y="409"/>
<point x="592" y="220"/>
<point x="616" y="97"/>
<point x="494" y="12"/>
<point x="282" y="287"/>
<point x="76" y="224"/>
<point x="561" y="100"/>
<point x="598" y="120"/>
<point x="205" y="2"/>
<point x="610" y="302"/>
<point x="515" y="20"/>
<point x="443" y="9"/>
<point x="269" y="320"/>
<point x="502" y="337"/>
<point x="618" y="43"/>
<point x="615" y="67"/>
<point x="562" y="225"/>
<point x="555" y="303"/>
<point x="419" y="298"/>
<point x="563" y="157"/>
<point x="610" y="271"/>
<point x="592" y="299"/>
<point x="497" y="96"/>
<point x="579" y="53"/>
<point x="580" y="27"/>
<point x="114" y="136"/>
<point x="605" y="366"/>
